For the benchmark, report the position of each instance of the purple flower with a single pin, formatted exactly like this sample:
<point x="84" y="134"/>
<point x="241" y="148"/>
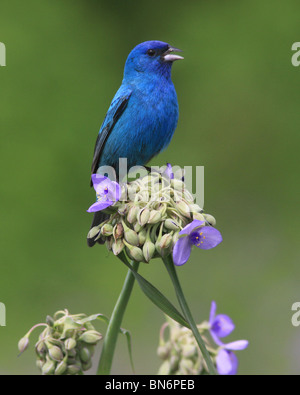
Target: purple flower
<point x="169" y="171"/>
<point x="221" y="326"/>
<point x="204" y="237"/>
<point x="108" y="192"/>
<point x="227" y="362"/>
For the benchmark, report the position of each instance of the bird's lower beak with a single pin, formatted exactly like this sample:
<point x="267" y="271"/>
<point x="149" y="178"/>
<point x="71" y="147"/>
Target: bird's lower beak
<point x="168" y="56"/>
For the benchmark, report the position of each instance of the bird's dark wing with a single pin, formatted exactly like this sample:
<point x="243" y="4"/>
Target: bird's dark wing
<point x="114" y="112"/>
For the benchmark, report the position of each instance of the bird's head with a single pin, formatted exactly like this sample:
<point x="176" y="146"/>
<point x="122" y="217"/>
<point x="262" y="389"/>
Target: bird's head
<point x="151" y="57"/>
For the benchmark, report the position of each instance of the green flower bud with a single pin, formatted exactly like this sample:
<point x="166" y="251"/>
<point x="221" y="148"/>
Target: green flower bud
<point x="90" y="337"/>
<point x="122" y="210"/>
<point x="171" y="224"/>
<point x="94" y="232"/>
<point x="85" y="354"/>
<point x="51" y="341"/>
<point x="118" y="231"/>
<point x="199" y="216"/>
<point x="23" y="344"/>
<point x="87" y="365"/>
<point x="164" y="244"/>
<point x="48" y="368"/>
<point x="106" y="230"/>
<point x="130" y="235"/>
<point x="56" y="353"/>
<point x="143" y="216"/>
<point x="137" y="227"/>
<point x="163" y="351"/>
<point x="70" y="344"/>
<point x="155" y="217"/>
<point x="142" y="236"/>
<point x="132" y="214"/>
<point x="137" y="254"/>
<point x="117" y="247"/>
<point x="74" y="369"/>
<point x="195" y="208"/>
<point x="183" y="208"/>
<point x="91" y="349"/>
<point x="41" y="348"/>
<point x="210" y="219"/>
<point x="61" y="368"/>
<point x="148" y="250"/>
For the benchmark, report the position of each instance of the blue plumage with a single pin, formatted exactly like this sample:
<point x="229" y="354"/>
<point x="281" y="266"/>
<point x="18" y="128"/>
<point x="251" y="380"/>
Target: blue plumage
<point x="143" y="115"/>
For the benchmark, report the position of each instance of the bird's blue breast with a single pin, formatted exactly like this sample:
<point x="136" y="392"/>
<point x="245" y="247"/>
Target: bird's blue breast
<point x="147" y="124"/>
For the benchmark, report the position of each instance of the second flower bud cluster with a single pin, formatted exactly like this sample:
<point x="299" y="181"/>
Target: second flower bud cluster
<point x="66" y="345"/>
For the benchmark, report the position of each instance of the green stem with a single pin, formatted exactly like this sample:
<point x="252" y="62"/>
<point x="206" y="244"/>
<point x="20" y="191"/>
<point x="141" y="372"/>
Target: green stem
<point x="115" y="322"/>
<point x="168" y="261"/>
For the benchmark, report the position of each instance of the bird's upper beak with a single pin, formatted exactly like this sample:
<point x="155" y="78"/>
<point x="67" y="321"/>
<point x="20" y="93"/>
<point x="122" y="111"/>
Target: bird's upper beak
<point x="168" y="56"/>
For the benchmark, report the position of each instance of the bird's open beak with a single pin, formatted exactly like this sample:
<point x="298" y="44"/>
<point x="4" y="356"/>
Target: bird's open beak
<point x="168" y="56"/>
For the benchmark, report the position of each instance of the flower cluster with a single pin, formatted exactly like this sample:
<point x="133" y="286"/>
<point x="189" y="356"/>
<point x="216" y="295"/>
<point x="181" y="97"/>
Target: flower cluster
<point x="66" y="345"/>
<point x="180" y="352"/>
<point x="221" y="326"/>
<point x="152" y="217"/>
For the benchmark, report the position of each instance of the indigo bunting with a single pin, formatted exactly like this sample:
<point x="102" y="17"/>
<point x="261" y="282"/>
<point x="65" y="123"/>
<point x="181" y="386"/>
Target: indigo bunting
<point x="143" y="115"/>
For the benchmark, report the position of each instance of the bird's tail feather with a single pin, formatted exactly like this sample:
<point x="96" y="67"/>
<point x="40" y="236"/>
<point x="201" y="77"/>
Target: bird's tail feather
<point x="99" y="217"/>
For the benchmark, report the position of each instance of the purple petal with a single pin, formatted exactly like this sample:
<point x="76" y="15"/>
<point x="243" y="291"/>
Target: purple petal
<point x="209" y="238"/>
<point x="213" y="310"/>
<point x="227" y="363"/>
<point x="237" y="345"/>
<point x="98" y="206"/>
<point x="187" y="230"/>
<point x="97" y="179"/>
<point x="169" y="172"/>
<point x="216" y="339"/>
<point x="106" y="188"/>
<point x="182" y="251"/>
<point x="222" y="325"/>
<point x="116" y="191"/>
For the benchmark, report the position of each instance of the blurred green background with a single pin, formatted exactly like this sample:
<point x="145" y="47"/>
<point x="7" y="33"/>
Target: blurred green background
<point x="239" y="117"/>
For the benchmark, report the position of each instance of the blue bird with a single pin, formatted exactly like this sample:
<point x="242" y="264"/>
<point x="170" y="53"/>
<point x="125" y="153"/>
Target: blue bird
<point x="143" y="115"/>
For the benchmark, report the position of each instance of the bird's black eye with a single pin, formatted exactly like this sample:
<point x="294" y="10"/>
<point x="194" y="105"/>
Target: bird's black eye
<point x="151" y="52"/>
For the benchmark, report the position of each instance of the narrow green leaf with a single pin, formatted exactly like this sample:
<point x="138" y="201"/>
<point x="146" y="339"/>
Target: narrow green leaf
<point x="128" y="337"/>
<point x="94" y="317"/>
<point x="123" y="331"/>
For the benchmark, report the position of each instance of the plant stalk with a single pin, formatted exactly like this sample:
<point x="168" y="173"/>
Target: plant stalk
<point x="115" y="323"/>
